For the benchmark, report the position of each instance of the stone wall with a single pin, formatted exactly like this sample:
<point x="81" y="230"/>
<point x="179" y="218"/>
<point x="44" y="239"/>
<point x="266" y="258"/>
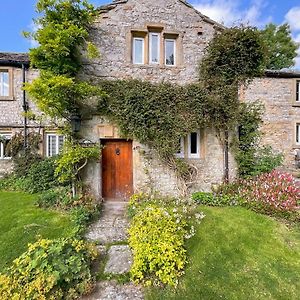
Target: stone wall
<point x="281" y="114"/>
<point x="112" y="35"/>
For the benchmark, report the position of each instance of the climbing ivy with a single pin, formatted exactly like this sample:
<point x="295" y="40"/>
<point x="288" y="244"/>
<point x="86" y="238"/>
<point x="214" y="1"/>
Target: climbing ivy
<point x="159" y="114"/>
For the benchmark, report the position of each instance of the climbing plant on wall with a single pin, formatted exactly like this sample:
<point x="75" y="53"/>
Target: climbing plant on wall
<point x="62" y="37"/>
<point x="159" y="114"/>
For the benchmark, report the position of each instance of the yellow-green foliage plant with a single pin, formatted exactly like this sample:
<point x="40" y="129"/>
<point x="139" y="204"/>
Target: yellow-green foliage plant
<point x="157" y="241"/>
<point x="158" y="231"/>
<point x="50" y="269"/>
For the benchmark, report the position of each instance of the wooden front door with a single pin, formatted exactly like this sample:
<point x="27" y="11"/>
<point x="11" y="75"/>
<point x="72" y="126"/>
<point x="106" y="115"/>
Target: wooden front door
<point x="117" y="169"/>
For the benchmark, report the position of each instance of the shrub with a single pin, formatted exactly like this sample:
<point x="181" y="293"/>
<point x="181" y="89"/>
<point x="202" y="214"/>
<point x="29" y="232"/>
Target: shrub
<point x="50" y="269"/>
<point x="84" y="207"/>
<point x="213" y="199"/>
<point x="158" y="246"/>
<point x="157" y="234"/>
<point x="41" y="176"/>
<point x="14" y="183"/>
<point x="24" y="161"/>
<point x="274" y="193"/>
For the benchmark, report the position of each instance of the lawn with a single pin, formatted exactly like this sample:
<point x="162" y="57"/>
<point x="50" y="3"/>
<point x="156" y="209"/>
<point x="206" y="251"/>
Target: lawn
<point x="238" y="254"/>
<point x="21" y="222"/>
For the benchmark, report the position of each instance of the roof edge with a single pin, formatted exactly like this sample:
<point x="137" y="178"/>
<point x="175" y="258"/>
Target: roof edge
<point x="108" y="7"/>
<point x="282" y="73"/>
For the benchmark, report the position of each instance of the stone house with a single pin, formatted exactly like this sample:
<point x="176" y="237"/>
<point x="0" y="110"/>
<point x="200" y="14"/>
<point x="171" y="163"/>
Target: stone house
<point x="14" y="72"/>
<point x="279" y="91"/>
<point x="154" y="41"/>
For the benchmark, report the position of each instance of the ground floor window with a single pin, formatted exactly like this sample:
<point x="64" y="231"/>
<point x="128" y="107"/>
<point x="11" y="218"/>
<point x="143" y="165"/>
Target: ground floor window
<point x="189" y="146"/>
<point x="54" y="144"/>
<point x="297" y="137"/>
<point x="4" y="140"/>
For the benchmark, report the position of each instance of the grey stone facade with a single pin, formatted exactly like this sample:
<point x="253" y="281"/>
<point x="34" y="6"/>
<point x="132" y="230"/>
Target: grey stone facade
<point x="11" y="107"/>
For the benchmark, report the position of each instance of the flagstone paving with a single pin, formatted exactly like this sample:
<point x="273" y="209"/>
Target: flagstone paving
<point x="109" y="229"/>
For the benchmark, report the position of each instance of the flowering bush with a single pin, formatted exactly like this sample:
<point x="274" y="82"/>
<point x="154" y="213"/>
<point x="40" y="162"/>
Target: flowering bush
<point x="157" y="234"/>
<point x="50" y="269"/>
<point x="270" y="193"/>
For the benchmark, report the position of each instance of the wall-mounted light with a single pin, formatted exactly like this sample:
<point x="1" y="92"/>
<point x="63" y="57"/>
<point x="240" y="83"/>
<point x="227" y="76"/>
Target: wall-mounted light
<point x="75" y="122"/>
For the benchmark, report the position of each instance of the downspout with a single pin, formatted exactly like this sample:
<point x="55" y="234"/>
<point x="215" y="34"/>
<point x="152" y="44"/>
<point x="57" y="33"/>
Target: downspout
<point x="226" y="157"/>
<point x="25" y="109"/>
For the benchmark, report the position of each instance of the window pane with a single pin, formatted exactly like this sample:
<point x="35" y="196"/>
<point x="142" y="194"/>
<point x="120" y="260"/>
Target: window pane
<point x="194" y="145"/>
<point x="4" y="140"/>
<point x="51" y="145"/>
<point x="154" y="48"/>
<point x="60" y="143"/>
<point x="298" y="91"/>
<point x="170" y="52"/>
<point x="297" y="133"/>
<point x="4" y="83"/>
<point x="138" y="50"/>
<point x="5" y="143"/>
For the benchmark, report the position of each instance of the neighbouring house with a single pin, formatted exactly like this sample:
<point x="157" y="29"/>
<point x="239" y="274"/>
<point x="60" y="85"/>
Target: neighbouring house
<point x="14" y="72"/>
<point x="154" y="41"/>
<point x="279" y="91"/>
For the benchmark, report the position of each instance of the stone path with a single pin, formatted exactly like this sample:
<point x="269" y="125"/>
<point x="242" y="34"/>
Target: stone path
<point x="112" y="228"/>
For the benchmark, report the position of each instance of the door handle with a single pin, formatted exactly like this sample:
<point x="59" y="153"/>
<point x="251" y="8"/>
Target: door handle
<point x="118" y="152"/>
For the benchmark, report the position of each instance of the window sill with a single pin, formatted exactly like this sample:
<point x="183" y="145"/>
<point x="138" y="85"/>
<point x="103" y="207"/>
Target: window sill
<point x="9" y="98"/>
<point x="5" y="158"/>
<point x="296" y="104"/>
<point x="155" y="66"/>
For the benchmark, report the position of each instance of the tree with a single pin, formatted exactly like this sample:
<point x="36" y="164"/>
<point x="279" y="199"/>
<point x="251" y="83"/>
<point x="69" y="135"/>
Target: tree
<point x="280" y="46"/>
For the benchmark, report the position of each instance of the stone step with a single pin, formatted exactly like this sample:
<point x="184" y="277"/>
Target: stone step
<point x="119" y="260"/>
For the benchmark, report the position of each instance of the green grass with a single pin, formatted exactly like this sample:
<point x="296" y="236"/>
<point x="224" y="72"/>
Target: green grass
<point x="21" y="222"/>
<point x="238" y="254"/>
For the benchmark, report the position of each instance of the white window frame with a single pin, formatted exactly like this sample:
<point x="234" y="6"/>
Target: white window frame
<point x="181" y="153"/>
<point x="168" y="40"/>
<point x="8" y="136"/>
<point x="151" y="34"/>
<point x="57" y="149"/>
<point x="194" y="155"/>
<point x="8" y="71"/>
<point x="297" y="134"/>
<point x="133" y="50"/>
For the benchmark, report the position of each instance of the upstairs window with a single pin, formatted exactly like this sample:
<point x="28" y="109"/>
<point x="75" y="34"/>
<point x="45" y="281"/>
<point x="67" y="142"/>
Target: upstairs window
<point x="170" y="49"/>
<point x="154" y="48"/>
<point x="298" y="90"/>
<point x="4" y="83"/>
<point x="4" y="140"/>
<point x="138" y="50"/>
<point x="54" y="144"/>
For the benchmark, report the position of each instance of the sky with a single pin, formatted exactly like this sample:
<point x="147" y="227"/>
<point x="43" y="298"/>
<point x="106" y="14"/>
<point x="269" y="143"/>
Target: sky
<point x="17" y="16"/>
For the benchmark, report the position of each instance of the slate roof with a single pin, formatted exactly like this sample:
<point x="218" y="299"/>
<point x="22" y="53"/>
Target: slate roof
<point x="14" y="59"/>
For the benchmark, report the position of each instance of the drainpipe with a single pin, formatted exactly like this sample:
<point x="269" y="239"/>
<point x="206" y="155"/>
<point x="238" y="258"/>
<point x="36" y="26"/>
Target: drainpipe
<point x="226" y="157"/>
<point x="25" y="109"/>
